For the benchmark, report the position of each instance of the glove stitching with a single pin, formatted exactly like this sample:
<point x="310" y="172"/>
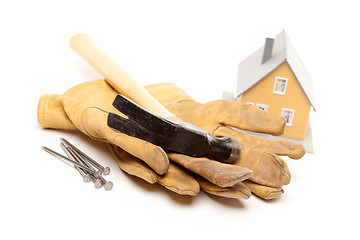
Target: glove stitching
<point x="80" y="122"/>
<point x="177" y="190"/>
<point x="216" y="128"/>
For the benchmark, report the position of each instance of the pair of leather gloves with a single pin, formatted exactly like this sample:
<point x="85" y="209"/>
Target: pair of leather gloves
<point x="259" y="169"/>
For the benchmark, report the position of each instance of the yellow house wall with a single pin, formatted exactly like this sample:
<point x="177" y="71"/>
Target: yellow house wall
<point x="294" y="98"/>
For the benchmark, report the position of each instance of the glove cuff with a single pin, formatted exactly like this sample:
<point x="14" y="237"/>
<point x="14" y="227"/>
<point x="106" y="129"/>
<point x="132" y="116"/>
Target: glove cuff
<point x="51" y="113"/>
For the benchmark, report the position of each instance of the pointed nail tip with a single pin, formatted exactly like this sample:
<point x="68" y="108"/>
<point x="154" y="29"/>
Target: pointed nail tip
<point x="48" y="150"/>
<point x="63" y="140"/>
<point x="62" y="145"/>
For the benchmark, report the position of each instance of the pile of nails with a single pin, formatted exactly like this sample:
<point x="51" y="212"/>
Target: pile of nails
<point x="89" y="169"/>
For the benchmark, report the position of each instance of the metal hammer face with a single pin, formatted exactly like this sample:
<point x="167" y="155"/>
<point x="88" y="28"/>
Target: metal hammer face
<point x="170" y="134"/>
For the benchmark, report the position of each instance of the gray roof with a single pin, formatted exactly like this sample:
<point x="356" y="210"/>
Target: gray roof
<point x="251" y="71"/>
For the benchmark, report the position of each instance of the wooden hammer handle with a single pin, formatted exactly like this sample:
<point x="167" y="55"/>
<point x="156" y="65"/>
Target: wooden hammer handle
<point x="116" y="76"/>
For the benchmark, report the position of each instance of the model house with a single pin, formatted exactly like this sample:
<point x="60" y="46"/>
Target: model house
<point x="275" y="80"/>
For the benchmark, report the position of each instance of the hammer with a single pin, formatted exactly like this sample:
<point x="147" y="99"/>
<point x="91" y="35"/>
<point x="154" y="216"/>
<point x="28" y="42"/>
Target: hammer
<point x="147" y="118"/>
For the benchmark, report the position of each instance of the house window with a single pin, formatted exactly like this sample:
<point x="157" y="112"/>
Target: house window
<point x="250" y="103"/>
<point x="262" y="107"/>
<point x="288" y="114"/>
<point x="280" y="85"/>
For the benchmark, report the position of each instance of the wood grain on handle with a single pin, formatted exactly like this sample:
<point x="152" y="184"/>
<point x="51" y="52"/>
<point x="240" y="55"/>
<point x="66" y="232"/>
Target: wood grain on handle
<point x="116" y="76"/>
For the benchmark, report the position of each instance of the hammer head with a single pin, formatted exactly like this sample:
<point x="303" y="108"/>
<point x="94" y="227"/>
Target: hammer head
<point x="171" y="134"/>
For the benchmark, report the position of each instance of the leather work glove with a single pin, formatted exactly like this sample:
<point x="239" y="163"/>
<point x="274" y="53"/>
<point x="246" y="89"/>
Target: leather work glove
<point x="270" y="172"/>
<point x="86" y="107"/>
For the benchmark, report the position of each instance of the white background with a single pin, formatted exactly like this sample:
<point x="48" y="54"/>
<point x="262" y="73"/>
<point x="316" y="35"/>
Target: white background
<point x="197" y="45"/>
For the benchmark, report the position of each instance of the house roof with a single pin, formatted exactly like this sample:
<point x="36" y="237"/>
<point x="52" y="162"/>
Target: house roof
<point x="252" y="70"/>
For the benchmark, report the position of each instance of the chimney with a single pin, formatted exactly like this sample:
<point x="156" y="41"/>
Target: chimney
<point x="269" y="43"/>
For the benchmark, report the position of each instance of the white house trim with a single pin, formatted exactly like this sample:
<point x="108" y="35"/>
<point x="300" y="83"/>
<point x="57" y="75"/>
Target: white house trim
<point x="278" y="82"/>
<point x="289" y="115"/>
<point x="262" y="107"/>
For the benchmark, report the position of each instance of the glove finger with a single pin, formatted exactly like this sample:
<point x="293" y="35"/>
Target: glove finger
<point x="221" y="174"/>
<point x="177" y="180"/>
<point x="264" y="192"/>
<point x="132" y="165"/>
<point x="246" y="117"/>
<point x="239" y="190"/>
<point x="281" y="148"/>
<point x="94" y="124"/>
<point x="268" y="168"/>
<point x="51" y="111"/>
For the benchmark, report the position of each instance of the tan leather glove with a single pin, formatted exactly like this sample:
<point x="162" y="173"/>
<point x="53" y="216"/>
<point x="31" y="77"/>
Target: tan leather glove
<point x="216" y="117"/>
<point x="86" y="107"/>
<point x="181" y="181"/>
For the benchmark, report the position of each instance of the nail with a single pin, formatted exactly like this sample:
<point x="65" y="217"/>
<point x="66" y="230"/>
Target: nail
<point x="104" y="170"/>
<point x="108" y="185"/>
<point x="86" y="177"/>
<point x="63" y="158"/>
<point x="97" y="182"/>
<point x="85" y="163"/>
<point x="100" y="181"/>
